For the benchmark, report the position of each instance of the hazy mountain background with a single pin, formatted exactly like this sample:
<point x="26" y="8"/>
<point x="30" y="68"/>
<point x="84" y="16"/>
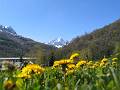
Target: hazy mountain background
<point x="93" y="46"/>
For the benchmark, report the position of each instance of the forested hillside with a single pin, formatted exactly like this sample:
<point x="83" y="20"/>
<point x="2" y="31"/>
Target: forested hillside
<point x="95" y="45"/>
<point x="13" y="45"/>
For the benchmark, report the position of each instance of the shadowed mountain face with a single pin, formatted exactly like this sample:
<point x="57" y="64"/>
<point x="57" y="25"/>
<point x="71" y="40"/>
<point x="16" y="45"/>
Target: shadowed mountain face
<point x="12" y="45"/>
<point x="97" y="44"/>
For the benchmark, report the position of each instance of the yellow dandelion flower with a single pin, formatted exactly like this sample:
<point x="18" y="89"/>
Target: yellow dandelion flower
<point x="90" y="63"/>
<point x="115" y="59"/>
<point x="104" y="60"/>
<point x="102" y="64"/>
<point x="81" y="63"/>
<point x="71" y="66"/>
<point x="74" y="55"/>
<point x="9" y="85"/>
<point x="114" y="64"/>
<point x="61" y="62"/>
<point x="96" y="64"/>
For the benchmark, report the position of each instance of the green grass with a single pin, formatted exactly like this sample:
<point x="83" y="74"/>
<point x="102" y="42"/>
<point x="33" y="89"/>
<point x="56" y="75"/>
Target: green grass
<point x="85" y="78"/>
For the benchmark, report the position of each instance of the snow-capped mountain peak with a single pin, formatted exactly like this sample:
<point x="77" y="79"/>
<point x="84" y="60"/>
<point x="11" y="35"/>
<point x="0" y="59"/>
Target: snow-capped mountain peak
<point x="7" y="29"/>
<point x="59" y="39"/>
<point x="58" y="42"/>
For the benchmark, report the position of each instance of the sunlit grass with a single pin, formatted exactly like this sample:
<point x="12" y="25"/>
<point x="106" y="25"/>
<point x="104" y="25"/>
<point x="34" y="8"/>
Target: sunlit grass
<point x="85" y="75"/>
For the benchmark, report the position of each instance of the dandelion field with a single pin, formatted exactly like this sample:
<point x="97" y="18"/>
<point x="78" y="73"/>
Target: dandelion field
<point x="65" y="75"/>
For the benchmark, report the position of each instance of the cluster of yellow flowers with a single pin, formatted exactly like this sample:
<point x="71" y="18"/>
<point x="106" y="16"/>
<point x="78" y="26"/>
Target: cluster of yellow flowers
<point x="102" y="63"/>
<point x="71" y="66"/>
<point x="61" y="62"/>
<point x="30" y="70"/>
<point x="67" y="64"/>
<point x="66" y="61"/>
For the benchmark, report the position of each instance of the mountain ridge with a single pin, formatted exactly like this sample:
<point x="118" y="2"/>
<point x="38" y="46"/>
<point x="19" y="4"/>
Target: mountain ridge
<point x="58" y="42"/>
<point x="12" y="44"/>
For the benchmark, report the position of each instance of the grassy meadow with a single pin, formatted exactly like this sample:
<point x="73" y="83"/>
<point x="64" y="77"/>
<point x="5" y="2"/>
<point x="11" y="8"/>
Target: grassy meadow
<point x="65" y="74"/>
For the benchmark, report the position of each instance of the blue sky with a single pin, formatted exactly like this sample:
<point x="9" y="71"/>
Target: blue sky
<point x="44" y="20"/>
